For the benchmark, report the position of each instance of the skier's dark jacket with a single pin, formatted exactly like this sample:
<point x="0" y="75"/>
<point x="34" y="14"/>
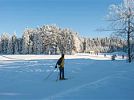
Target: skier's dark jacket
<point x="60" y="62"/>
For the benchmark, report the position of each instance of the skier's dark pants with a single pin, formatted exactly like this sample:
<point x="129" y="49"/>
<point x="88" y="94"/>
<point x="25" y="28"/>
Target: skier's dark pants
<point x="61" y="73"/>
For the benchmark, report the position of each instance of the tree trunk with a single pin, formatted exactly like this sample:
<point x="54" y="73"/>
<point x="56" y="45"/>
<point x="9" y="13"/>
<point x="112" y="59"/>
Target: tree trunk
<point x="128" y="39"/>
<point x="128" y="42"/>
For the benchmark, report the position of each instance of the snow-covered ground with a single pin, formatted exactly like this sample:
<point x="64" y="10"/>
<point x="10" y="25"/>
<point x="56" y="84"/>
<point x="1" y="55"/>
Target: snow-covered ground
<point x="41" y="57"/>
<point x="90" y="77"/>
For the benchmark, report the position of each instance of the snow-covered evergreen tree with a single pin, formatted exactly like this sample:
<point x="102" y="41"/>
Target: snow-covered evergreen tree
<point x="27" y="43"/>
<point x="4" y="43"/>
<point x="14" y="44"/>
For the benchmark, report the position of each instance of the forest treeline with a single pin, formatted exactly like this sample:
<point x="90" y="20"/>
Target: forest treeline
<point x="51" y="39"/>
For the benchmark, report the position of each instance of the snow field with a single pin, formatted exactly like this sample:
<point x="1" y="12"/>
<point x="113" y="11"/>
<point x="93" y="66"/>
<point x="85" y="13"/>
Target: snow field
<point x="88" y="79"/>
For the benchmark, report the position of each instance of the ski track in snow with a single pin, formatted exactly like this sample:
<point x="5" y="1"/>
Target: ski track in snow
<point x="75" y="89"/>
<point x="11" y="94"/>
<point x="94" y="84"/>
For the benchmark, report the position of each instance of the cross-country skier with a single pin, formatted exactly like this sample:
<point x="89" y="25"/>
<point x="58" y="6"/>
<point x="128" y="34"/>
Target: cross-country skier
<point x="60" y="64"/>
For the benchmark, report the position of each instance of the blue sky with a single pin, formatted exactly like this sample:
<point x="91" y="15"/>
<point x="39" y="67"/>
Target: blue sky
<point x="83" y="16"/>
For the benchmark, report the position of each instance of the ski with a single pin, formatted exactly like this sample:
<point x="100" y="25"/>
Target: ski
<point x="61" y="79"/>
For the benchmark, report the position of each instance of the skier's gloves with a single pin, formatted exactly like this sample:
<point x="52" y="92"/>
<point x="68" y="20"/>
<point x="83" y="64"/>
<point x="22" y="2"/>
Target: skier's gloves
<point x="55" y="70"/>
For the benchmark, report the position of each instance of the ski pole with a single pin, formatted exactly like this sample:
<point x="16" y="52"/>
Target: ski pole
<point x="57" y="75"/>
